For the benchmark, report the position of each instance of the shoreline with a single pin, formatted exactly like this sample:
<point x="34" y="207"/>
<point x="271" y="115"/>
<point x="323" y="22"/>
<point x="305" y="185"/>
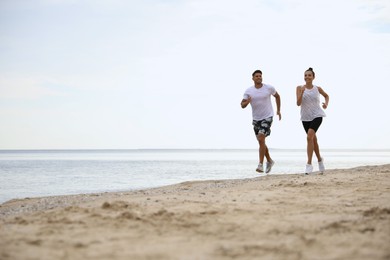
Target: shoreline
<point x="80" y="172"/>
<point x="32" y="204"/>
<point x="342" y="214"/>
<point x="89" y="196"/>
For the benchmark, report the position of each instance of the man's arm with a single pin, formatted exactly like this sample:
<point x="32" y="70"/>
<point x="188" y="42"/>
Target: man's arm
<point x="245" y="102"/>
<point x="278" y="103"/>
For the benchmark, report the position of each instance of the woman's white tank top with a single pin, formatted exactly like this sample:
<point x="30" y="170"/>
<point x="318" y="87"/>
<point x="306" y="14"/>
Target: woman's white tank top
<point x="310" y="107"/>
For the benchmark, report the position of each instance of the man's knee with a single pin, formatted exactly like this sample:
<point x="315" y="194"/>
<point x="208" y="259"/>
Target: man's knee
<point x="261" y="138"/>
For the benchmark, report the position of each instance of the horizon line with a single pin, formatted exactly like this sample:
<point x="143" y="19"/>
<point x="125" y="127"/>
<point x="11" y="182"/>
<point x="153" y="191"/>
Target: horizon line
<point x="140" y="149"/>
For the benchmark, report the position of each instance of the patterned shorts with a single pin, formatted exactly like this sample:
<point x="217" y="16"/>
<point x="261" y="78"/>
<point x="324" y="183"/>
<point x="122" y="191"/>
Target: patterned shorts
<point x="262" y="126"/>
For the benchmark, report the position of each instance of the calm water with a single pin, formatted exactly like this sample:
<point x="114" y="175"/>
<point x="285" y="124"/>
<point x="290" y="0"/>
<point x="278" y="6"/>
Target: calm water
<point x="61" y="172"/>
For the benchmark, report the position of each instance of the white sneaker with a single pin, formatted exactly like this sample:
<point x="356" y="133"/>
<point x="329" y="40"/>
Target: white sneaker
<point x="268" y="166"/>
<point x="309" y="169"/>
<point x="321" y="166"/>
<point x="260" y="168"/>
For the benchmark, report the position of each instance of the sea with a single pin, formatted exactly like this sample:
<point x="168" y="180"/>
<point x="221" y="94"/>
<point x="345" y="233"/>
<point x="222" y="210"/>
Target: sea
<point x="40" y="173"/>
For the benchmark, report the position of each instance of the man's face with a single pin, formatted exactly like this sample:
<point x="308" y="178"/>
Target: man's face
<point x="258" y="78"/>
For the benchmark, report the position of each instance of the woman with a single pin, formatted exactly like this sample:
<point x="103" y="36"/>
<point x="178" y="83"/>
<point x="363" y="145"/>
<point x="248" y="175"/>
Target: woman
<point x="308" y="97"/>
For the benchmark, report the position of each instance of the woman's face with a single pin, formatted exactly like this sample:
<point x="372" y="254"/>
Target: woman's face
<point x="309" y="76"/>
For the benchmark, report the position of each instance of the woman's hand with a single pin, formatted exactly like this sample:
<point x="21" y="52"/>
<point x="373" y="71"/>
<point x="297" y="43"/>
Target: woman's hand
<point x="303" y="88"/>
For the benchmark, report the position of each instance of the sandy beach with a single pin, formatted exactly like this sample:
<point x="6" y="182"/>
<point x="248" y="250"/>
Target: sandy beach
<point x="343" y="214"/>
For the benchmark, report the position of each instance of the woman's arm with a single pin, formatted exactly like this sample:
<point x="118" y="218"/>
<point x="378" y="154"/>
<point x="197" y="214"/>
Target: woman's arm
<point x="326" y="96"/>
<point x="300" y="90"/>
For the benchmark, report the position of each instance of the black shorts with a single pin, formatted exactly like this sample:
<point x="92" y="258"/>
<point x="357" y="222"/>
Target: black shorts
<point x="315" y="124"/>
<point x="262" y="126"/>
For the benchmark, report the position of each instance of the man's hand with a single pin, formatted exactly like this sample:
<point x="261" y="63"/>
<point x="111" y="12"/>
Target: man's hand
<point x="245" y="102"/>
<point x="279" y="114"/>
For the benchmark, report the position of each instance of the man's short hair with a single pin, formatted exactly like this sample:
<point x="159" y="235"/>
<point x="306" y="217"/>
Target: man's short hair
<point x="257" y="71"/>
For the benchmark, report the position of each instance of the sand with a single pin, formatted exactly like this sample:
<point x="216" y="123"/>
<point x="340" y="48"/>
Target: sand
<point x="343" y="214"/>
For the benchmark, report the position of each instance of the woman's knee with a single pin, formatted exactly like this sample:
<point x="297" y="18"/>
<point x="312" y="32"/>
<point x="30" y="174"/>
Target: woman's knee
<point x="311" y="135"/>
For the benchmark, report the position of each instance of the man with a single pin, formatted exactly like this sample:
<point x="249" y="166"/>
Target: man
<point x="259" y="96"/>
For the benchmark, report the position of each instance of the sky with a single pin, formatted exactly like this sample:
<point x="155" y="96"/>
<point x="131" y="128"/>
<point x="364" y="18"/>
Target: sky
<point x="115" y="74"/>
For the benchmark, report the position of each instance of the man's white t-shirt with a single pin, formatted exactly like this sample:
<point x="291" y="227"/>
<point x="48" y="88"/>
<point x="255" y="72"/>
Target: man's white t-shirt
<point x="261" y="101"/>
